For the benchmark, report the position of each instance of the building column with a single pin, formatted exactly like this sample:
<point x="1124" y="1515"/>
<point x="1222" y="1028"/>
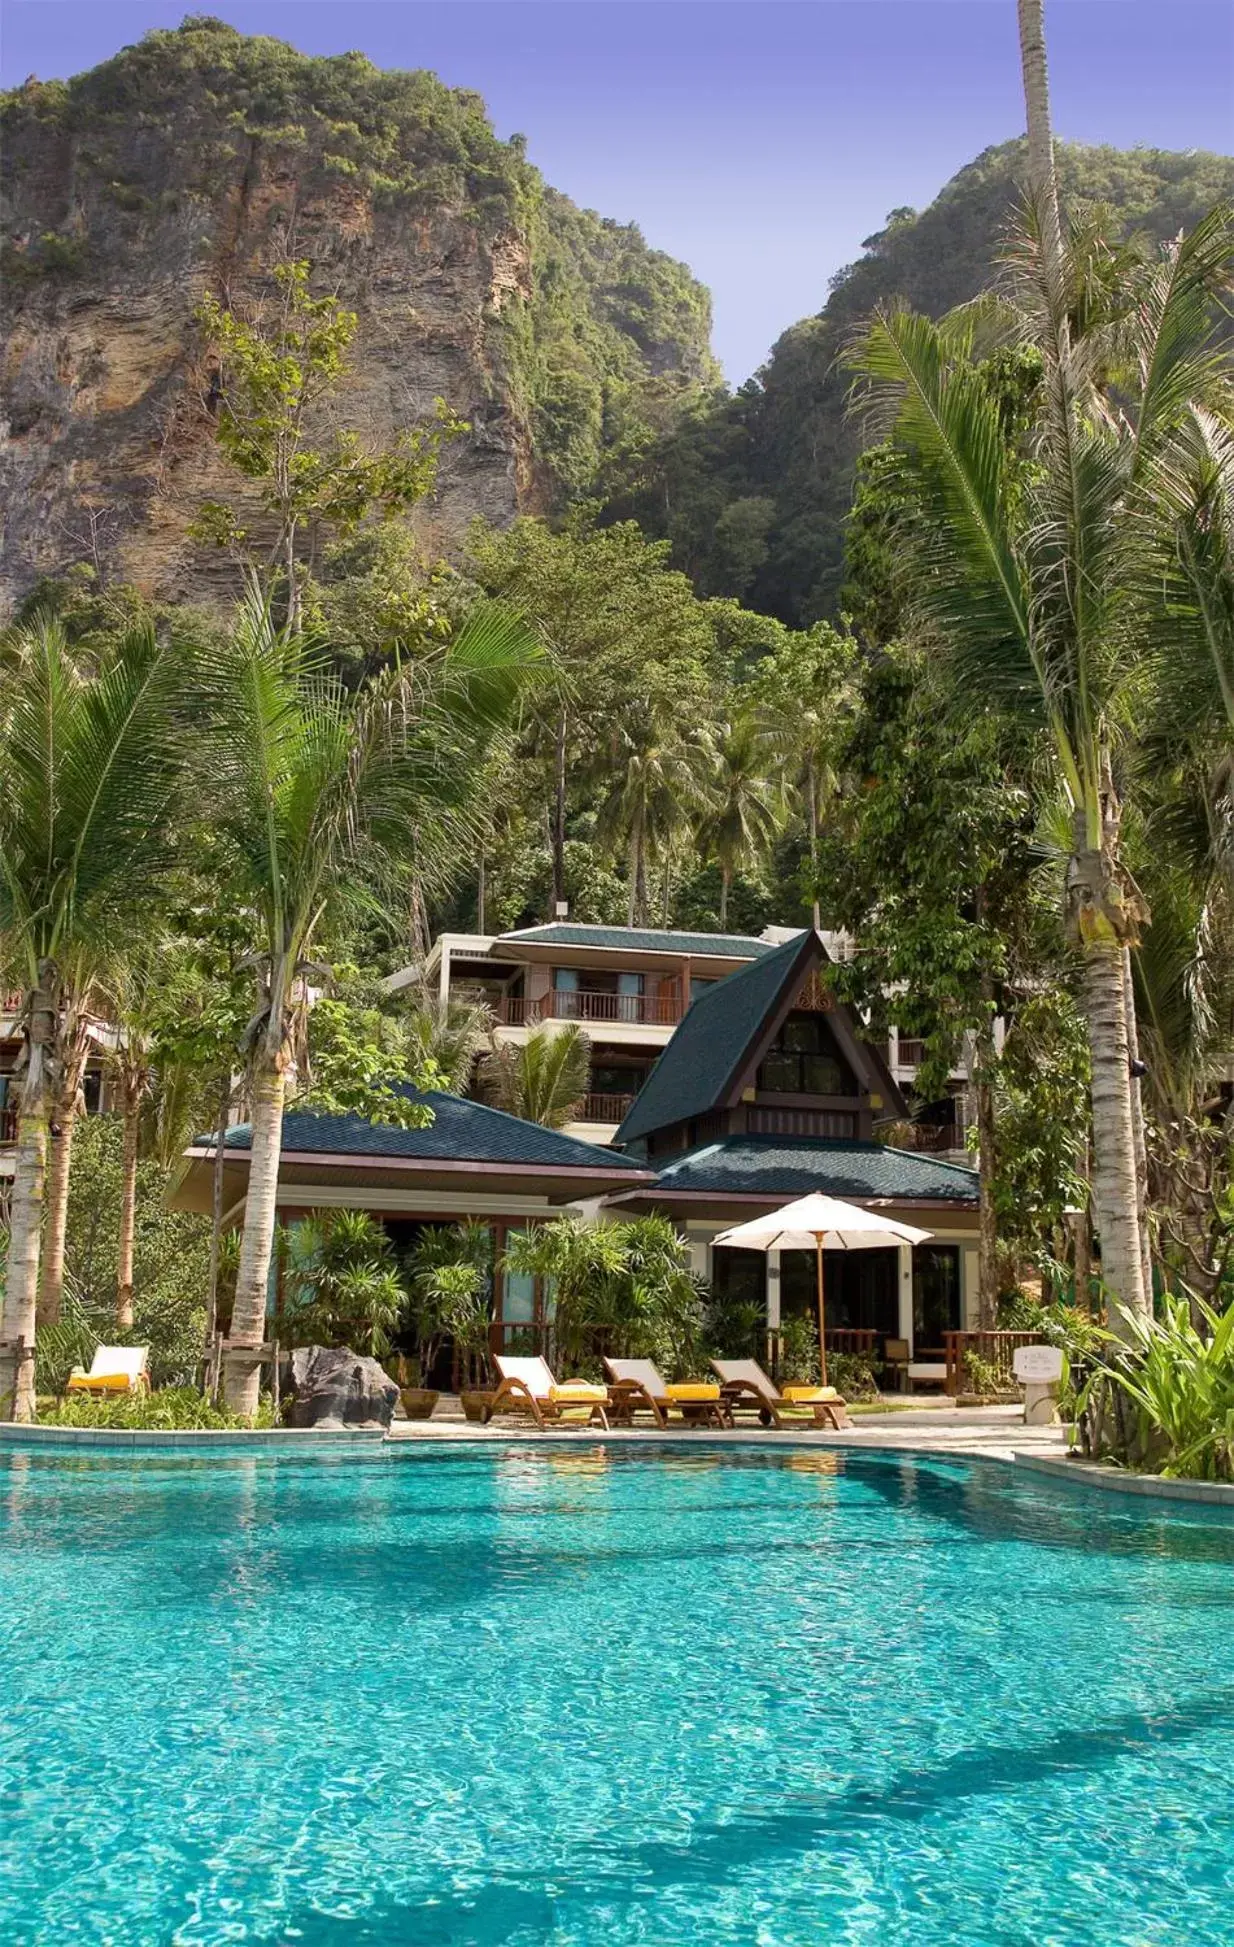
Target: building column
<point x="773" y="1291"/>
<point x="443" y="975"/>
<point x="970" y="1289"/>
<point x="905" y="1254"/>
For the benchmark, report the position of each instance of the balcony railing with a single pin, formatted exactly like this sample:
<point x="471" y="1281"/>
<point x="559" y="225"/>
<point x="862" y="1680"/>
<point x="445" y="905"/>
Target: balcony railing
<point x="604" y="1108"/>
<point x="8" y="1127"/>
<point x="635" y="1010"/>
<point x="910" y="1052"/>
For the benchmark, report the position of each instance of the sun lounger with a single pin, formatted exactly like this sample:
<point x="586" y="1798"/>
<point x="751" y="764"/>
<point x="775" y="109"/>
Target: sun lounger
<point x="527" y="1386"/>
<point x="636" y="1384"/>
<point x="744" y="1383"/>
<point x="115" y="1369"/>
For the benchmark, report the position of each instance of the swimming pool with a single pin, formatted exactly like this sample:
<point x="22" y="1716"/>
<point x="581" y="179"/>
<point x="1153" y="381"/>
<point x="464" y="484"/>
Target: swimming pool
<point x="572" y="1695"/>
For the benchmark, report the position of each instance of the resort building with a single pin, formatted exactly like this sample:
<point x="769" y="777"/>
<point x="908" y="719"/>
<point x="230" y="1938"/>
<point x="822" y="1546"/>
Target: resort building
<point x="746" y="1084"/>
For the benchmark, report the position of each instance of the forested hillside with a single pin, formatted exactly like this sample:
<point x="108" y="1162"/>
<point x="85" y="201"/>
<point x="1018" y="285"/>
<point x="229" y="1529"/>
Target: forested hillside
<point x="187" y="167"/>
<point x="753" y="490"/>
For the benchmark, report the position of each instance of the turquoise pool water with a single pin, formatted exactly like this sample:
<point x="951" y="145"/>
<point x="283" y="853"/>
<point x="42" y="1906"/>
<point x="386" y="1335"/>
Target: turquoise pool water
<point x="578" y="1696"/>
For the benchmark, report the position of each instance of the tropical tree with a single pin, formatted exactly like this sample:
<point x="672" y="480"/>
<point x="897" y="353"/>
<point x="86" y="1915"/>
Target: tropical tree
<point x="91" y="757"/>
<point x="333" y="804"/>
<point x="1027" y="565"/>
<point x="804" y="697"/>
<point x="747" y="804"/>
<point x="657" y="779"/>
<point x="342" y="1282"/>
<point x="450" y="1033"/>
<point x="542" y="1081"/>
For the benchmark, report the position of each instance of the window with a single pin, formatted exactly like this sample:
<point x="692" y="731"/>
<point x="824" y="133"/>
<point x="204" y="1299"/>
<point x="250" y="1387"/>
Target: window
<point x="936" y="1294"/>
<point x="804" y="1060"/>
<point x="698" y="982"/>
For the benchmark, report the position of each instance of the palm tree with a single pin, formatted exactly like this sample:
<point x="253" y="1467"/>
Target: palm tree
<point x="450" y="1033"/>
<point x="1028" y="566"/>
<point x="91" y="758"/>
<point x="542" y="1081"/>
<point x="747" y="805"/>
<point x="1043" y="180"/>
<point x="657" y="784"/>
<point x="334" y="804"/>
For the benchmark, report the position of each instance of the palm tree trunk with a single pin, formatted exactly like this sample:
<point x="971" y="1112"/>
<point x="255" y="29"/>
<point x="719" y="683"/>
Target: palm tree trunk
<point x="241" y="1372"/>
<point x="816" y="914"/>
<point x="1041" y="171"/>
<point x="131" y="1111"/>
<point x="17" y="1399"/>
<point x="725" y="875"/>
<point x="1137" y="1122"/>
<point x="987" y="1223"/>
<point x="59" y="1164"/>
<point x="558" y="833"/>
<point x="1116" y="1200"/>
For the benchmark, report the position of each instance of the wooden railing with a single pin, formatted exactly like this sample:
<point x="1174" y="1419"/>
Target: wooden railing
<point x="604" y="1108"/>
<point x="8" y="1127"/>
<point x="632" y="1010"/>
<point x="996" y="1349"/>
<point x="910" y="1052"/>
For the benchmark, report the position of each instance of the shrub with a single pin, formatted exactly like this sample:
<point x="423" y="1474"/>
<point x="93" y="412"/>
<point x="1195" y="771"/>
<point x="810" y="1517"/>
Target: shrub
<point x="174" y="1409"/>
<point x="1165" y="1402"/>
<point x="342" y="1285"/>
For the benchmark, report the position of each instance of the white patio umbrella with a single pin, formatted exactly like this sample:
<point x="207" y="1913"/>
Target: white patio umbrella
<point x="824" y="1222"/>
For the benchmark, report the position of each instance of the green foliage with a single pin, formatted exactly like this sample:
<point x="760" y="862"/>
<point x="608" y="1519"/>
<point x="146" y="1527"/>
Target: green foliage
<point x="341" y="1283"/>
<point x="1178" y="1376"/>
<point x="363" y="1056"/>
<point x="449" y="1270"/>
<point x="544" y="1079"/>
<point x="786" y="436"/>
<point x="596" y="341"/>
<point x="174" y="1409"/>
<point x="624" y="1288"/>
<point x="1041" y="1094"/>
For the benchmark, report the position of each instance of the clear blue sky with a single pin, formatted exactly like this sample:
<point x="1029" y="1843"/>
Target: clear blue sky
<point x="760" y="142"/>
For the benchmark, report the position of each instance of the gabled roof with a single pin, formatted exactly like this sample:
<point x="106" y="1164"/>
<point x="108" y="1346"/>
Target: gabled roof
<point x="710" y="1050"/>
<point x="723" y="946"/>
<point x="779" y="1168"/>
<point x="461" y="1131"/>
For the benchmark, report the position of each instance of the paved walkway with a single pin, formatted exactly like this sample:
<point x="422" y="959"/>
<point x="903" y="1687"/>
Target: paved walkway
<point x="996" y="1430"/>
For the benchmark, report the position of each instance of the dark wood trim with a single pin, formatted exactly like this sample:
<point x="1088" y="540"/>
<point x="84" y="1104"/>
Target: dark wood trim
<point x="431" y="1165"/>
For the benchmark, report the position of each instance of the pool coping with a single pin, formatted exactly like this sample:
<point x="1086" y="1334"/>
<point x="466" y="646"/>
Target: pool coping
<point x="92" y="1439"/>
<point x="1093" y="1473"/>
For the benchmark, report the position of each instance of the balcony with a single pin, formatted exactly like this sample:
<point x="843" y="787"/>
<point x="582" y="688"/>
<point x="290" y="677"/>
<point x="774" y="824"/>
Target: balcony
<point x="604" y="1108"/>
<point x="627" y="1010"/>
<point x="910" y="1052"/>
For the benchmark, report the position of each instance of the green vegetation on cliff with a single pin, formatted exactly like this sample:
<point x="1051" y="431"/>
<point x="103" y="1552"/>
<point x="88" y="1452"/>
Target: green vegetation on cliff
<point x="204" y="150"/>
<point x="753" y="490"/>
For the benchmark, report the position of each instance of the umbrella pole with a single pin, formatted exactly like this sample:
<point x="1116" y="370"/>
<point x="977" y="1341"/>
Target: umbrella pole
<point x="822" y="1332"/>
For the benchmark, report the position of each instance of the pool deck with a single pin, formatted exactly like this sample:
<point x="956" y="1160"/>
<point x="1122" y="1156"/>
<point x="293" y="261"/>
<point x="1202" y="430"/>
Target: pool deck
<point x="996" y="1431"/>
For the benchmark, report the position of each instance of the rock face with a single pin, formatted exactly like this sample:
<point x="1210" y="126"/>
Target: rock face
<point x="339" y="1388"/>
<point x="196" y="160"/>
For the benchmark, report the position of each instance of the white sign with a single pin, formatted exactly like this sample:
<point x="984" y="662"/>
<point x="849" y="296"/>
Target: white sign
<point x="1038" y="1365"/>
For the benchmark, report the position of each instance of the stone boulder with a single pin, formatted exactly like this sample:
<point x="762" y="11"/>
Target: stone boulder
<point x="334" y="1388"/>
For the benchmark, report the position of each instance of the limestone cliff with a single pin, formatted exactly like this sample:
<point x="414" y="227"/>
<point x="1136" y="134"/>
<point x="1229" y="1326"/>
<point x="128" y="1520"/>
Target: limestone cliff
<point x="196" y="159"/>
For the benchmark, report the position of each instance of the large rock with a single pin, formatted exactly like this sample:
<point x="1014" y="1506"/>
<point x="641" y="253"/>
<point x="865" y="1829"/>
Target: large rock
<point x="334" y="1387"/>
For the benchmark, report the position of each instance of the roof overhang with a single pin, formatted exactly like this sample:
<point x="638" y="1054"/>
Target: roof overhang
<point x="193" y="1187"/>
<point x="622" y="959"/>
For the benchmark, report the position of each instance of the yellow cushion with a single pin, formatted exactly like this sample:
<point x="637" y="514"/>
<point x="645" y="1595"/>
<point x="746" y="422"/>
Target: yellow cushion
<point x="579" y="1390"/>
<point x="807" y="1395"/>
<point x="694" y="1389"/>
<point x="108" y="1382"/>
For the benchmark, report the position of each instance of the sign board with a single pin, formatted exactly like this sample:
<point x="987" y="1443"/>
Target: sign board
<point x="1037" y="1365"/>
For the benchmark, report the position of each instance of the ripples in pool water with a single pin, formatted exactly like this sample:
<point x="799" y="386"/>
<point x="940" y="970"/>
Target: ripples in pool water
<point x="574" y="1695"/>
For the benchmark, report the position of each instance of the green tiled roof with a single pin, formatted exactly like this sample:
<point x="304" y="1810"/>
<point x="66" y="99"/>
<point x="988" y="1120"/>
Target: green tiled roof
<point x="768" y="1166"/>
<point x="729" y="946"/>
<point x="461" y="1131"/>
<point x="699" y="1063"/>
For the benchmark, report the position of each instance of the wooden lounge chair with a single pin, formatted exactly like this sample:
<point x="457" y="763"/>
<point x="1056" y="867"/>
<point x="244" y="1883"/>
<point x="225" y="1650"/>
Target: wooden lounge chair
<point x="527" y="1386"/>
<point x="635" y="1384"/>
<point x="115" y="1369"/>
<point x="743" y="1382"/>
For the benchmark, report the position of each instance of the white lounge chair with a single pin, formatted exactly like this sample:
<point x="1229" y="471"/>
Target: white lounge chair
<point x="527" y="1386"/>
<point x="115" y="1369"/>
<point x="636" y="1383"/>
<point x="743" y="1382"/>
